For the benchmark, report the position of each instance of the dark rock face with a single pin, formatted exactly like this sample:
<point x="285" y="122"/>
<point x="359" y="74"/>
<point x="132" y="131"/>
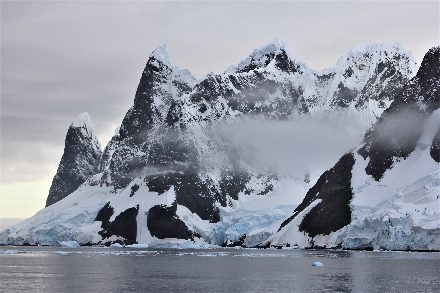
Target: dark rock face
<point x="344" y="96"/>
<point x="198" y="196"/>
<point x="396" y="133"/>
<point x="386" y="84"/>
<point x="104" y="215"/>
<point x="162" y="145"/>
<point x="397" y="138"/>
<point x="190" y="191"/>
<point x="435" y="147"/>
<point x="162" y="223"/>
<point x="80" y="160"/>
<point x="334" y="190"/>
<point x="124" y="224"/>
<point x="165" y="138"/>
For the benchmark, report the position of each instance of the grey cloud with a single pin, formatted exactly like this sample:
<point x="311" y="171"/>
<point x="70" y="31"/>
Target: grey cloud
<point x="59" y="59"/>
<point x="293" y="148"/>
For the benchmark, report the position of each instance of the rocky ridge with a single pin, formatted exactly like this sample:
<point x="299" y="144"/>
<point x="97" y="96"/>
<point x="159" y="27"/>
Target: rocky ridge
<point x="170" y="175"/>
<point x="80" y="160"/>
<point x="399" y="154"/>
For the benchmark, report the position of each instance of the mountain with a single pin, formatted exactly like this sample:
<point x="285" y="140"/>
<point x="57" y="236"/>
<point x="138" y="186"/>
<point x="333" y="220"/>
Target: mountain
<point x="385" y="193"/>
<point x="181" y="165"/>
<point x="80" y="160"/>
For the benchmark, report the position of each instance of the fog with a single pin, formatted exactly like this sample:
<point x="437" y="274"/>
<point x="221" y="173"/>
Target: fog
<point x="402" y="127"/>
<point x="294" y="147"/>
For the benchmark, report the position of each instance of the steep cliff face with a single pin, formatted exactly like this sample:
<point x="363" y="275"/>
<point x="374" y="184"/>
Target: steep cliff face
<point x="397" y="132"/>
<point x="166" y="138"/>
<point x="333" y="190"/>
<point x="391" y="178"/>
<point x="172" y="170"/>
<point x="80" y="160"/>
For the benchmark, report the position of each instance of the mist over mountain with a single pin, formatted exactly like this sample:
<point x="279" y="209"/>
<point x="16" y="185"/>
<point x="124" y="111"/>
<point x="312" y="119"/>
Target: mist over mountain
<point x="235" y="158"/>
<point x="388" y="197"/>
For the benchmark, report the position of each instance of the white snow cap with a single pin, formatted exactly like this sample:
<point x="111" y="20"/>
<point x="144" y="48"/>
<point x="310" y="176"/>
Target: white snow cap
<point x="377" y="46"/>
<point x="161" y="54"/>
<point x="87" y="128"/>
<point x="83" y="120"/>
<point x="378" y="51"/>
<point x="276" y="45"/>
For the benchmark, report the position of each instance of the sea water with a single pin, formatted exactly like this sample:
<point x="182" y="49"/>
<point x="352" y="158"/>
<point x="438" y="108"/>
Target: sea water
<point x="102" y="269"/>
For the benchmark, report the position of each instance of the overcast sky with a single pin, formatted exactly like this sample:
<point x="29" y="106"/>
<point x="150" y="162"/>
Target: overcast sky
<point x="59" y="59"/>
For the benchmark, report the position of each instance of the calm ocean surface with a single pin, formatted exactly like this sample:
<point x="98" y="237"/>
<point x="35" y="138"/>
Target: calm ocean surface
<point x="89" y="269"/>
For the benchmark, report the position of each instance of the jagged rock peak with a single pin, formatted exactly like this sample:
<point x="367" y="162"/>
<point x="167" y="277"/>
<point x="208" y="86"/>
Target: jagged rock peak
<point x="274" y="47"/>
<point x="83" y="120"/>
<point x="161" y="54"/>
<point x="160" y="60"/>
<point x="80" y="160"/>
<point x="372" y="54"/>
<point x="430" y="64"/>
<point x="277" y="44"/>
<point x="87" y="128"/>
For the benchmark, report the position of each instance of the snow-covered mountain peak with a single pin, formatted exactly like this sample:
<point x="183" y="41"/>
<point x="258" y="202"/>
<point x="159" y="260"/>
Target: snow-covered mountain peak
<point x="277" y="44"/>
<point x="430" y="65"/>
<point x="367" y="56"/>
<point x="377" y="46"/>
<point x="260" y="54"/>
<point x="87" y="128"/>
<point x="161" y="54"/>
<point x="367" y="67"/>
<point x="83" y="119"/>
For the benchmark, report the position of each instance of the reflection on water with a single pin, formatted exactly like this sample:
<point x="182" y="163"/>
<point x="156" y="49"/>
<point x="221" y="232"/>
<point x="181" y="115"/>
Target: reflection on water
<point x="88" y="269"/>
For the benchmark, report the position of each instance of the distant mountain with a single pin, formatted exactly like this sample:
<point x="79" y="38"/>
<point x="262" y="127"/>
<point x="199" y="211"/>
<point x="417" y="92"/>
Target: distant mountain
<point x="173" y="170"/>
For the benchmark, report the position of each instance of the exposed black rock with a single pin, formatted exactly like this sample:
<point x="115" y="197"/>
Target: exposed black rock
<point x="385" y="85"/>
<point x="159" y="145"/>
<point x="334" y="190"/>
<point x="396" y="133"/>
<point x="232" y="183"/>
<point x="124" y="224"/>
<point x="397" y="138"/>
<point x="435" y="147"/>
<point x="199" y="196"/>
<point x="134" y="188"/>
<point x="284" y="63"/>
<point x="104" y="216"/>
<point x="344" y="96"/>
<point x="141" y="116"/>
<point x="165" y="138"/>
<point x="333" y="212"/>
<point x="162" y="222"/>
<point x="80" y="160"/>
